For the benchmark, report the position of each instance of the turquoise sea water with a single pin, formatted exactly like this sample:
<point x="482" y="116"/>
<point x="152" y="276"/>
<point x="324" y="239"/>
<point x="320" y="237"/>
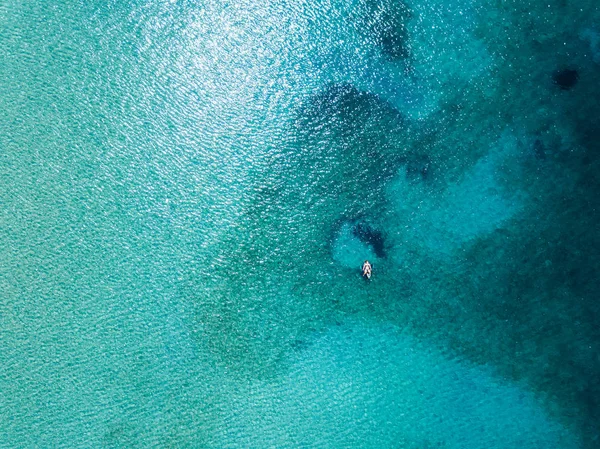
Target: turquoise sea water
<point x="188" y="189"/>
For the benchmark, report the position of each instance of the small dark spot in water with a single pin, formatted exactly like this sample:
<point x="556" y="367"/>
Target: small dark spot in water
<point x="118" y="435"/>
<point x="371" y="237"/>
<point x="539" y="149"/>
<point x="298" y="344"/>
<point x="384" y="24"/>
<point x="418" y="169"/>
<point x="565" y="79"/>
<point x="392" y="39"/>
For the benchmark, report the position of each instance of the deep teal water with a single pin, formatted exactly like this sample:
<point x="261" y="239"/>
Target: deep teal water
<point x="187" y="191"/>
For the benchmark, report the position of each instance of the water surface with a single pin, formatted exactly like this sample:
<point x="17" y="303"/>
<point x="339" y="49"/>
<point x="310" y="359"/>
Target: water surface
<point x="188" y="189"/>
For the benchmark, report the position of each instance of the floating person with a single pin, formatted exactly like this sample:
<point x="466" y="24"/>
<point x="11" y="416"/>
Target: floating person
<point x="367" y="270"/>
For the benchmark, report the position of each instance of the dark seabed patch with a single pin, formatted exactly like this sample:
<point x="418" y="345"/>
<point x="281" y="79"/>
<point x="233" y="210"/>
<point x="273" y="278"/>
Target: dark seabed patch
<point x="344" y="145"/>
<point x="350" y="142"/>
<point x="531" y="288"/>
<point x="143" y="188"/>
<point x="384" y="22"/>
<point x="370" y="236"/>
<point x="566" y="78"/>
<point x="418" y="168"/>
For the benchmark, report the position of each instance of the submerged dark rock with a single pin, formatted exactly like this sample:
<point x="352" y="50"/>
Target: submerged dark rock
<point x="565" y="79"/>
<point x="418" y="168"/>
<point x="354" y="240"/>
<point x="352" y="142"/>
<point x="539" y="149"/>
<point x="384" y="22"/>
<point x="370" y="236"/>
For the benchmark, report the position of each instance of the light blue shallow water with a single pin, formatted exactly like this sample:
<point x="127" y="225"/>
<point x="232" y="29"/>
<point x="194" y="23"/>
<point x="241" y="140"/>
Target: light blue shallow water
<point x="188" y="189"/>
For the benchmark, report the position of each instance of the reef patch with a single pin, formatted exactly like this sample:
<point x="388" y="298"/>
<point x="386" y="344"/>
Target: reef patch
<point x="354" y="241"/>
<point x="385" y="23"/>
<point x="566" y="78"/>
